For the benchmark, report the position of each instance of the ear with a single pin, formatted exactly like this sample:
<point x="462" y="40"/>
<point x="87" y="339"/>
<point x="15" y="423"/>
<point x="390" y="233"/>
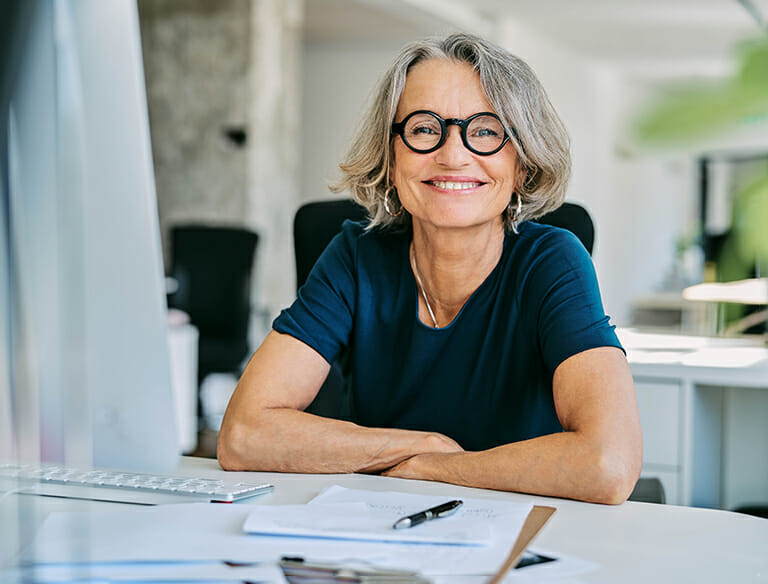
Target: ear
<point x="531" y="179"/>
<point x="391" y="170"/>
<point x="523" y="172"/>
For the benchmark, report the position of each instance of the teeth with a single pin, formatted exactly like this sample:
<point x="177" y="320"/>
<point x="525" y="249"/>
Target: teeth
<point x="454" y="186"/>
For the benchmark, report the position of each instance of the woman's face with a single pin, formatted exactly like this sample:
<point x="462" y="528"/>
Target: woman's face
<point x="451" y="187"/>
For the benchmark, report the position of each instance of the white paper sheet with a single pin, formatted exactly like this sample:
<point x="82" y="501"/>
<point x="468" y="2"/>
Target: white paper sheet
<point x="362" y="521"/>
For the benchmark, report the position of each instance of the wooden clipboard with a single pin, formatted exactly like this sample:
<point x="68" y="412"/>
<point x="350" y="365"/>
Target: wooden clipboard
<point x="536" y="519"/>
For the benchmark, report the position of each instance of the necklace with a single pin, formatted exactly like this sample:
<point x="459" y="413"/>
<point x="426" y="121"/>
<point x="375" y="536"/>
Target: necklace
<point x="421" y="287"/>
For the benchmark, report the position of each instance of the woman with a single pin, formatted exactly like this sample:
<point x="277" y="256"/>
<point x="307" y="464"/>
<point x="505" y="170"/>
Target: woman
<point x="476" y="347"/>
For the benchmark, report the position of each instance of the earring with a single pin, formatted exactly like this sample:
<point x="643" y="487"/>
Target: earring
<point x="514" y="212"/>
<point x="390" y="190"/>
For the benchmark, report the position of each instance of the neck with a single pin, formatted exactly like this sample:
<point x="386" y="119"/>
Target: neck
<point x="449" y="267"/>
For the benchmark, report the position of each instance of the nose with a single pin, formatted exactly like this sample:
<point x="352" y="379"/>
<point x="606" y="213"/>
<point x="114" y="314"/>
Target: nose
<point x="453" y="153"/>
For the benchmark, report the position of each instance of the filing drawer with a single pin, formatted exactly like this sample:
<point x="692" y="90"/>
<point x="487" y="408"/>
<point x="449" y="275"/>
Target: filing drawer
<point x="659" y="404"/>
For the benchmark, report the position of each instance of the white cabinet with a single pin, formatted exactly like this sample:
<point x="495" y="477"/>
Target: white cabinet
<point x="659" y="402"/>
<point x="703" y="405"/>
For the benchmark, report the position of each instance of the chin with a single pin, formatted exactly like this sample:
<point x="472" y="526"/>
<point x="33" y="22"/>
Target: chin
<point x="466" y="220"/>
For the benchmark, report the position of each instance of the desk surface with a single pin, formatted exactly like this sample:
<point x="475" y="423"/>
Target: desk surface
<point x="632" y="543"/>
<point x="729" y="362"/>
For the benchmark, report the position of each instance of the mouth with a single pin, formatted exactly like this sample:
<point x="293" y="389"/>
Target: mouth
<point x="454" y="185"/>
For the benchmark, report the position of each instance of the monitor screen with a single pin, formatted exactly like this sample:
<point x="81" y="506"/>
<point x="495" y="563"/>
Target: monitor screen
<point x="83" y="321"/>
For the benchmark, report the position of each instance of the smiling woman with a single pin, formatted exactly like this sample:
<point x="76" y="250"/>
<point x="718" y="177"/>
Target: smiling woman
<point x="475" y="345"/>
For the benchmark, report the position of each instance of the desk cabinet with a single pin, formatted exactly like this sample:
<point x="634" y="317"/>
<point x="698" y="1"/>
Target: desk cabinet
<point x="706" y="443"/>
<point x="703" y="405"/>
<point x="682" y="438"/>
<point x="660" y="415"/>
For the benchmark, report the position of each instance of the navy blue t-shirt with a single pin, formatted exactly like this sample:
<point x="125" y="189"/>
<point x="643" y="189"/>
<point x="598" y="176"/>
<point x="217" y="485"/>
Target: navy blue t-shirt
<point x="485" y="379"/>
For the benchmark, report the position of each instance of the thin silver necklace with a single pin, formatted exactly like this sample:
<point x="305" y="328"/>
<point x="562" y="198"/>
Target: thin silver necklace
<point x="421" y="286"/>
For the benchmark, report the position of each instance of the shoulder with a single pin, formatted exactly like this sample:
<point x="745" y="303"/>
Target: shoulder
<point x="555" y="248"/>
<point x="359" y="252"/>
<point x="538" y="236"/>
<point x="360" y="239"/>
<point x="346" y="242"/>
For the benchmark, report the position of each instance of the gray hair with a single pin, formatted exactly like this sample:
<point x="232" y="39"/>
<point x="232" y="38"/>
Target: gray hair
<point x="518" y="98"/>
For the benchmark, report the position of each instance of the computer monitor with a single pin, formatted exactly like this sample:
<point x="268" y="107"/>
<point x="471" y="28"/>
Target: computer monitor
<point x="84" y="366"/>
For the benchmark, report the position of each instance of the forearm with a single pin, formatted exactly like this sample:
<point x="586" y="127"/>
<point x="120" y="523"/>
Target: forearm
<point x="567" y="464"/>
<point x="265" y="427"/>
<point x="288" y="440"/>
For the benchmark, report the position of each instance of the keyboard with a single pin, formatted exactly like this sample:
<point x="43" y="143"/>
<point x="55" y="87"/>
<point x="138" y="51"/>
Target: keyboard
<point x="109" y="485"/>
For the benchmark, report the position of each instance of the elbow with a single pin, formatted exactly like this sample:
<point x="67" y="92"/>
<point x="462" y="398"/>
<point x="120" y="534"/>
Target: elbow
<point x="230" y="447"/>
<point x="617" y="474"/>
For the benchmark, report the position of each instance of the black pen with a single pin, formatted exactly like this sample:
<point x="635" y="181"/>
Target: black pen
<point x="443" y="510"/>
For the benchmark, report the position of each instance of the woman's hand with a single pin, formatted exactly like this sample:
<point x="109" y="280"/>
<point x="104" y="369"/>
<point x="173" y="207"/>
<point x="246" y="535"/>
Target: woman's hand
<point x="416" y="467"/>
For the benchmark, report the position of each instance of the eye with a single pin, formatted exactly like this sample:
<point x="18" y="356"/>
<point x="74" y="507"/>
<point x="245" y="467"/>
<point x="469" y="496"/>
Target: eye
<point x="425" y="129"/>
<point x="423" y="126"/>
<point x="485" y="132"/>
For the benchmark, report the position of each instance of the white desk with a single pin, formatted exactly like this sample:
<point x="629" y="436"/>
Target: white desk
<point x="704" y="408"/>
<point x="632" y="543"/>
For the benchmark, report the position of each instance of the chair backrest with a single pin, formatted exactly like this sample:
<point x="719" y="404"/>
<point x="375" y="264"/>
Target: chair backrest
<point x="574" y="218"/>
<point x="314" y="225"/>
<point x="317" y="222"/>
<point x="213" y="267"/>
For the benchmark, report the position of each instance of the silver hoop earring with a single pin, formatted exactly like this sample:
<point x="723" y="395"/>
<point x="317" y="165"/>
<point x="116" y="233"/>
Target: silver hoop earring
<point x="514" y="212"/>
<point x="391" y="189"/>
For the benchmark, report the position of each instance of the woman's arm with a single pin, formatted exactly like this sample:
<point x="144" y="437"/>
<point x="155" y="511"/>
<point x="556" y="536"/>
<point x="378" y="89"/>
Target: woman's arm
<point x="264" y="427"/>
<point x="596" y="458"/>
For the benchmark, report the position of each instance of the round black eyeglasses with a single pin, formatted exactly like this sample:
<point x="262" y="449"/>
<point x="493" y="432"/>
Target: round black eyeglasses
<point x="424" y="131"/>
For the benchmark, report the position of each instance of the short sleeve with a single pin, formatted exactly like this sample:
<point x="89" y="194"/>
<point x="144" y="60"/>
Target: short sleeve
<point x="570" y="315"/>
<point x="323" y="312"/>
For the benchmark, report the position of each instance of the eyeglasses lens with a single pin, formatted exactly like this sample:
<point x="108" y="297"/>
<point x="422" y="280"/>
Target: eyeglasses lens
<point x="483" y="133"/>
<point x="422" y="131"/>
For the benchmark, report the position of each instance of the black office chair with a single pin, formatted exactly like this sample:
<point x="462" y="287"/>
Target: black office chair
<point x="648" y="490"/>
<point x="574" y="218"/>
<point x="213" y="267"/>
<point x="314" y="225"/>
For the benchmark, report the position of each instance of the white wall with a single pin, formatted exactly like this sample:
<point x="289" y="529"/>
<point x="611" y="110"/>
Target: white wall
<point x="339" y="78"/>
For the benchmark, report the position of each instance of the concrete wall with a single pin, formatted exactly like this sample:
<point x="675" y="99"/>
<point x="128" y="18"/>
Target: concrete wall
<point x="223" y="85"/>
<point x="196" y="64"/>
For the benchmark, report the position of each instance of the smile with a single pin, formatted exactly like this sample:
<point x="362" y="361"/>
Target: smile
<point x="454" y="185"/>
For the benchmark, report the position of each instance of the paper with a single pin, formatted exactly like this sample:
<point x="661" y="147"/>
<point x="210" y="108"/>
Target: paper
<point x="365" y="521"/>
<point x="504" y="517"/>
<point x="204" y="531"/>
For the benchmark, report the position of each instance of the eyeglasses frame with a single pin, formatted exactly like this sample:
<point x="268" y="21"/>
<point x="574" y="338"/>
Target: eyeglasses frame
<point x="399" y="129"/>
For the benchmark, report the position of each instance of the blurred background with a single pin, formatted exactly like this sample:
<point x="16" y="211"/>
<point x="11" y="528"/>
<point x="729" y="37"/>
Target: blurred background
<point x="253" y="102"/>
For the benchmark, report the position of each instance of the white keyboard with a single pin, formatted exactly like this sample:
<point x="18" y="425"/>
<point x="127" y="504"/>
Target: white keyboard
<point x="70" y="482"/>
